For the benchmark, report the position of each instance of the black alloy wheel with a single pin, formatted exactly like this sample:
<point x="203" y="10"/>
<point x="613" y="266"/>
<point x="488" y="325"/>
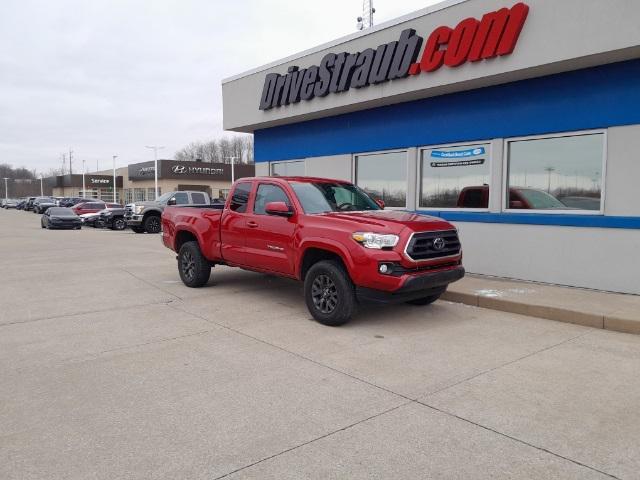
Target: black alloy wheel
<point x="329" y="293"/>
<point x="118" y="224"/>
<point x="152" y="224"/>
<point x="193" y="267"/>
<point x="324" y="294"/>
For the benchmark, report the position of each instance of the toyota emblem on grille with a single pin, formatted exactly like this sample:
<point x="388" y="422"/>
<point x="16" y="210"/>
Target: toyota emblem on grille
<point x="438" y="243"/>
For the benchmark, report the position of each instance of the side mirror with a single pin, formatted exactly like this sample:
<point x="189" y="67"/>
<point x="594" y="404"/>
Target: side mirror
<point x="171" y="201"/>
<point x="380" y="203"/>
<point x="516" y="204"/>
<point x="279" y="209"/>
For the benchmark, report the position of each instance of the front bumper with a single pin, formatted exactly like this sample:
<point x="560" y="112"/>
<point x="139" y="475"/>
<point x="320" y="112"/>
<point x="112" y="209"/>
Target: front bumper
<point x="415" y="286"/>
<point x="134" y="220"/>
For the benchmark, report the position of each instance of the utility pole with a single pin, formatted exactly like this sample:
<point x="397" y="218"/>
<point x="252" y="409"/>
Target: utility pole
<point x="232" y="159"/>
<point x="70" y="160"/>
<point x="6" y="189"/>
<point x="155" y="149"/>
<point x="549" y="170"/>
<point x="114" y="178"/>
<point x="366" y="20"/>
<point x="84" y="188"/>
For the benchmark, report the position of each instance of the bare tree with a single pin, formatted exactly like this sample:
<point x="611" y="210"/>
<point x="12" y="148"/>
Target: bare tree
<point x="218" y="151"/>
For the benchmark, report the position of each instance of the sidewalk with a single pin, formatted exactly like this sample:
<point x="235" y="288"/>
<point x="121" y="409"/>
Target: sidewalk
<point x="610" y="311"/>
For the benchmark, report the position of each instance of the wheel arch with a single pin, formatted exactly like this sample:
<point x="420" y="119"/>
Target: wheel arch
<point x="313" y="253"/>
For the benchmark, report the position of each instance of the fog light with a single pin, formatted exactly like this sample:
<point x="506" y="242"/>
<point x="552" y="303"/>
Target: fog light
<point x="383" y="268"/>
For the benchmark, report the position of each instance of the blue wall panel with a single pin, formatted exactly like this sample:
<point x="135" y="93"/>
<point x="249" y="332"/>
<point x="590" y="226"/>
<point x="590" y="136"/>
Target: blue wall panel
<point x="597" y="97"/>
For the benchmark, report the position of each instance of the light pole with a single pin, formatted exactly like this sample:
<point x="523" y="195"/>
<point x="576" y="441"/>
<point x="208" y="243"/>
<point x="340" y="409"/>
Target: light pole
<point x="84" y="188"/>
<point x="41" y="189"/>
<point x="155" y="149"/>
<point x="114" y="178"/>
<point x="233" y="159"/>
<point x="6" y="189"/>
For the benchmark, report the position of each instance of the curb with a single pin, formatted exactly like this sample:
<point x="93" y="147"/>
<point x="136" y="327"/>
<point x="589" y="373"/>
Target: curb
<point x="587" y="319"/>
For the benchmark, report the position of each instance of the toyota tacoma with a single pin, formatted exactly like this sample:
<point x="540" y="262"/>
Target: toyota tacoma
<point x="328" y="234"/>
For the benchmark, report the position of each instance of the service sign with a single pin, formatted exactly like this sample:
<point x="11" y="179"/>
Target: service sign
<point x="472" y="40"/>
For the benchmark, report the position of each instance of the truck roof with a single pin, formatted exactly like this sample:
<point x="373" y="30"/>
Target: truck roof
<point x="298" y="179"/>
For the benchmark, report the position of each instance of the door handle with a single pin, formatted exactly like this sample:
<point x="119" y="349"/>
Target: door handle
<point x="252" y="224"/>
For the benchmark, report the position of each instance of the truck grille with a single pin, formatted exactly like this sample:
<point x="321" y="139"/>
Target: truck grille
<point x="431" y="245"/>
<point x="128" y="211"/>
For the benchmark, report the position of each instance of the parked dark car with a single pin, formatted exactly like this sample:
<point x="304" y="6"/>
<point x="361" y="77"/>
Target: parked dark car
<point x="112" y="218"/>
<point x="21" y="204"/>
<point x="71" y="201"/>
<point x="60" y="217"/>
<point x="41" y="204"/>
<point x="29" y="205"/>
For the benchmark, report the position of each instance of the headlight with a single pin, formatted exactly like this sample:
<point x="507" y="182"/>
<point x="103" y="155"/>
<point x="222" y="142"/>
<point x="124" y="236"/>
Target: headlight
<point x="375" y="240"/>
<point x="138" y="209"/>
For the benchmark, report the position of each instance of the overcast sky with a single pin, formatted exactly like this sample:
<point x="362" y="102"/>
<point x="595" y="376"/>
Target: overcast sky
<point x="107" y="77"/>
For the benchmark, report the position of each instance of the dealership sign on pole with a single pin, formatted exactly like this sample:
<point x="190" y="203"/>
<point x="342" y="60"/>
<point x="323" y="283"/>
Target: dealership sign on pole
<point x="472" y="40"/>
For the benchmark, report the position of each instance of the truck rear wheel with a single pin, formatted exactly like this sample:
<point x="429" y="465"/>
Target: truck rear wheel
<point x="329" y="293"/>
<point x="194" y="269"/>
<point x="152" y="224"/>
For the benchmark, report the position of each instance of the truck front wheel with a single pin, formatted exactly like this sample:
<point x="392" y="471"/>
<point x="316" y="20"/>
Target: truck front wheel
<point x="194" y="269"/>
<point x="152" y="224"/>
<point x="329" y="293"/>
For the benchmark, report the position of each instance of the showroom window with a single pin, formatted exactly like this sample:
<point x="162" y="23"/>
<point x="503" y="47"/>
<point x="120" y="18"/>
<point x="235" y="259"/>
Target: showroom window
<point x="559" y="173"/>
<point x="384" y="177"/>
<point x="138" y="194"/>
<point x="288" y="169"/>
<point x="455" y="177"/>
<point x="128" y="195"/>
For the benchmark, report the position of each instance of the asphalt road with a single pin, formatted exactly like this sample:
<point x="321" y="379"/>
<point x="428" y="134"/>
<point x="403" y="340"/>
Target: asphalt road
<point x="110" y="368"/>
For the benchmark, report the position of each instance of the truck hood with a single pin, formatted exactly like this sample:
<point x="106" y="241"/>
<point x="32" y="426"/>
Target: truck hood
<point x="146" y="204"/>
<point x="391" y="221"/>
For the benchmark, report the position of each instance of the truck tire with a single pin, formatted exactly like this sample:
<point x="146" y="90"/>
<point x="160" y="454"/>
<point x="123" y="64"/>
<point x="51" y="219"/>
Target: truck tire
<point x="428" y="300"/>
<point x="329" y="293"/>
<point x="138" y="229"/>
<point x="194" y="269"/>
<point x="152" y="224"/>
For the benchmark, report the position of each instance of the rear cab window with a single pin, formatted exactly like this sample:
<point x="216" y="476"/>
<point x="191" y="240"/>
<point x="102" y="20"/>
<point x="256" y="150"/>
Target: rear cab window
<point x="240" y="197"/>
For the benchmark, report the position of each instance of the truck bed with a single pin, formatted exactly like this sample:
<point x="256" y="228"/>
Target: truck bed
<point x="194" y="222"/>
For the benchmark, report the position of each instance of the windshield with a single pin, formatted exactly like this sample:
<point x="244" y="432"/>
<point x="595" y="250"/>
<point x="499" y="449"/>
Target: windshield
<point x="322" y="197"/>
<point x="61" y="211"/>
<point x="164" y="198"/>
<point x="540" y="200"/>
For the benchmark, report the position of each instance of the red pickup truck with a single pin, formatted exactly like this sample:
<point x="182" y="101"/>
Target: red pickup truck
<point x="327" y="233"/>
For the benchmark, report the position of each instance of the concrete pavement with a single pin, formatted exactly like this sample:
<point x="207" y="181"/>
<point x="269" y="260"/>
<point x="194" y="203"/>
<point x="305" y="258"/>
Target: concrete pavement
<point x="111" y="368"/>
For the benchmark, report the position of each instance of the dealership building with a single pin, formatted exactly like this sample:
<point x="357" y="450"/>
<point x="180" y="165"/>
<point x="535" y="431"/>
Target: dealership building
<point x="136" y="182"/>
<point x="518" y="122"/>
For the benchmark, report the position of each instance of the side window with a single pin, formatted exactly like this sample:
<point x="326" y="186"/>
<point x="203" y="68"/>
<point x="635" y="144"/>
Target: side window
<point x="198" y="198"/>
<point x="268" y="193"/>
<point x="182" y="198"/>
<point x="240" y="197"/>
